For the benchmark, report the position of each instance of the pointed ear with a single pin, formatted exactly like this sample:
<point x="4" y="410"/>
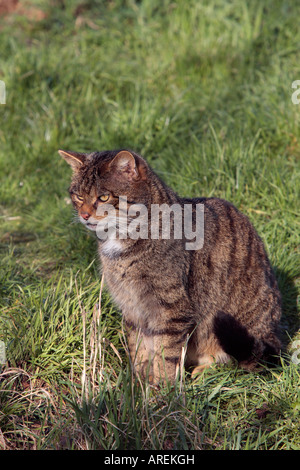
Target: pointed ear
<point x="74" y="159"/>
<point x="129" y="166"/>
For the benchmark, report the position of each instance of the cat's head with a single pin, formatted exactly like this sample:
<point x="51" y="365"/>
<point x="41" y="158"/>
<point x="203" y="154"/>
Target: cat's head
<point x="102" y="178"/>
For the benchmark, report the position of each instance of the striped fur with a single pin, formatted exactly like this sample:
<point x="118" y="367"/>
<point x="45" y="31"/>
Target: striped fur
<point x="219" y="302"/>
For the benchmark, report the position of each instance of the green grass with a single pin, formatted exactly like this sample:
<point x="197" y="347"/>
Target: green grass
<point x="203" y="91"/>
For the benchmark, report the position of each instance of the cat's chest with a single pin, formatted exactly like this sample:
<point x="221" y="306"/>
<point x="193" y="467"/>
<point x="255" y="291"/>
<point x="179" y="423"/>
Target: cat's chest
<point x="131" y="290"/>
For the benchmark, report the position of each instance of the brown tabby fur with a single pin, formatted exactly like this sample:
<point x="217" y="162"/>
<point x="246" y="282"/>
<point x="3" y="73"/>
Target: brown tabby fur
<point x="218" y="302"/>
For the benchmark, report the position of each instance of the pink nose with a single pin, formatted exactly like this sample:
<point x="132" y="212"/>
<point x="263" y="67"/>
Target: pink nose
<point x="85" y="215"/>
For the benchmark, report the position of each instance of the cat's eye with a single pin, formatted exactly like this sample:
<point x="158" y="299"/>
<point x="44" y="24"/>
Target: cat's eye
<point x="79" y="198"/>
<point x="104" y="197"/>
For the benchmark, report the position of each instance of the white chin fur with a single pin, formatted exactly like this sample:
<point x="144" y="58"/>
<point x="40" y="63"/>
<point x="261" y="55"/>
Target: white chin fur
<point x="112" y="247"/>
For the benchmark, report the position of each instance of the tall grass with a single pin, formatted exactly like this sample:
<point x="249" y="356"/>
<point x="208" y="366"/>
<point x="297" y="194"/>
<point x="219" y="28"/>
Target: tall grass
<point x="203" y="91"/>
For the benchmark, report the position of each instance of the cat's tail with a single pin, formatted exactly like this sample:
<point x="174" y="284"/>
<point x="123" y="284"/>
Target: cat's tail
<point x="236" y="340"/>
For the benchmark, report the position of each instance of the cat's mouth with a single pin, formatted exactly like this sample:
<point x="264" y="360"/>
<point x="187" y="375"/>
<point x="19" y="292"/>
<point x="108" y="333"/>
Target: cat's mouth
<point x="104" y="224"/>
<point x="91" y="226"/>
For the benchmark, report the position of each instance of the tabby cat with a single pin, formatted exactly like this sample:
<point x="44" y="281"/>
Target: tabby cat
<point x="196" y="306"/>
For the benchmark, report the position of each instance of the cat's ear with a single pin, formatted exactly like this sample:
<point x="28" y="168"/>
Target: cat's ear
<point x="74" y="159"/>
<point x="130" y="166"/>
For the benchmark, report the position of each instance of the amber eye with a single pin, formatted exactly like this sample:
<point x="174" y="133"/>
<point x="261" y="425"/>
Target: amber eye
<point x="104" y="197"/>
<point x="79" y="198"/>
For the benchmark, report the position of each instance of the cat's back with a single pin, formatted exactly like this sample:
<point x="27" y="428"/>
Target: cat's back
<point x="230" y="236"/>
<point x="232" y="268"/>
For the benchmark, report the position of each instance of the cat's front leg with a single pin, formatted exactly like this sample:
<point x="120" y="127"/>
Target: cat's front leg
<point x="169" y="354"/>
<point x="156" y="353"/>
<point x="141" y="349"/>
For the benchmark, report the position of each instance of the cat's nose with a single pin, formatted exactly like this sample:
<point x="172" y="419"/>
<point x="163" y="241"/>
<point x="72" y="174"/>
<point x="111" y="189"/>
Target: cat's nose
<point x="85" y="215"/>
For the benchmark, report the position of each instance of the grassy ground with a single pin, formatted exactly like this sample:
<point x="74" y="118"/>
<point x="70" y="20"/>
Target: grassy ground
<point x="203" y="90"/>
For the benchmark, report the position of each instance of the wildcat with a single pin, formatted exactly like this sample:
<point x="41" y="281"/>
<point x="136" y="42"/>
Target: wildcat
<point x="213" y="303"/>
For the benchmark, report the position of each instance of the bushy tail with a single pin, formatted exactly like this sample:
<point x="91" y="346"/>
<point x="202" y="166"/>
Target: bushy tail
<point x="235" y="340"/>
